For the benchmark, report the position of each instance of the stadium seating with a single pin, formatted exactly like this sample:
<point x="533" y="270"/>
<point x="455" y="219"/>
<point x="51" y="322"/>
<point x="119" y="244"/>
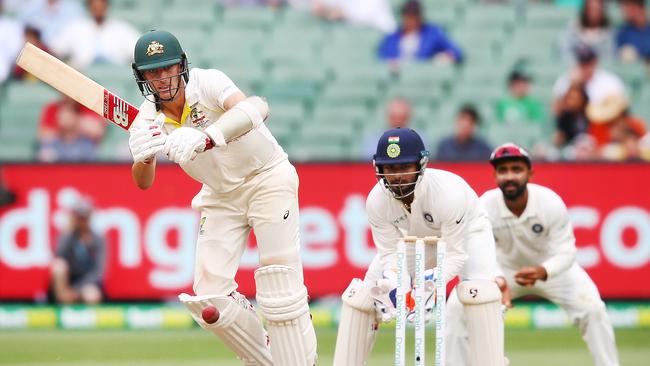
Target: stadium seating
<point x="323" y="80"/>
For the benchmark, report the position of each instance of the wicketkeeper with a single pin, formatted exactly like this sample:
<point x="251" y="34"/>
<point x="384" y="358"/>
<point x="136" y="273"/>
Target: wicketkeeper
<point x="411" y="200"/>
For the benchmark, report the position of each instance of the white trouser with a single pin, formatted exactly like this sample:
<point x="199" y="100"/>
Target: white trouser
<point x="572" y="290"/>
<point x="267" y="203"/>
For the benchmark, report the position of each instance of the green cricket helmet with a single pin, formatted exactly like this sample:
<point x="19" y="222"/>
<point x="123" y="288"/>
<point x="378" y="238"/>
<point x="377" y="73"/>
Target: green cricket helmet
<point x="154" y="50"/>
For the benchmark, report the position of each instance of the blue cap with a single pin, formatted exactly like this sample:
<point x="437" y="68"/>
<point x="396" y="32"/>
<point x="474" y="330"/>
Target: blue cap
<point x="400" y="146"/>
<point x="584" y="53"/>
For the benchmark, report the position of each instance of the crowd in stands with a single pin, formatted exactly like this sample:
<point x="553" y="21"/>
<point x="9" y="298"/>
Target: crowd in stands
<point x="591" y="112"/>
<point x="417" y="40"/>
<point x="69" y="132"/>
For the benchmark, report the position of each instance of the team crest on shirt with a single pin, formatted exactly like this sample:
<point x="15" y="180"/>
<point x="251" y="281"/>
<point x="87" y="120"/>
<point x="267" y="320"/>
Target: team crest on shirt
<point x="537" y="228"/>
<point x="155" y="48"/>
<point x="197" y="116"/>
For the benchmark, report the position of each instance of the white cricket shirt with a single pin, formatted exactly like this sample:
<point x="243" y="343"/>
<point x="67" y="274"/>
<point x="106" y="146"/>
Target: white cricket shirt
<point x="542" y="235"/>
<point x="444" y="205"/>
<point x="220" y="169"/>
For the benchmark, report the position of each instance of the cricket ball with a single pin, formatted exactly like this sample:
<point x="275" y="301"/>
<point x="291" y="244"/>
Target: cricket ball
<point x="210" y="315"/>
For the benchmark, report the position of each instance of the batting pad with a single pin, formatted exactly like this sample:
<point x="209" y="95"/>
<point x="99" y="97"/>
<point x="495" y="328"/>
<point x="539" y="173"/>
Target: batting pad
<point x="238" y="326"/>
<point x="357" y="326"/>
<point x="482" y="306"/>
<point x="282" y="298"/>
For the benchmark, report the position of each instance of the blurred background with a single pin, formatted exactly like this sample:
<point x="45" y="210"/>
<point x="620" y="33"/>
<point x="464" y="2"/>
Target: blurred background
<point x="567" y="79"/>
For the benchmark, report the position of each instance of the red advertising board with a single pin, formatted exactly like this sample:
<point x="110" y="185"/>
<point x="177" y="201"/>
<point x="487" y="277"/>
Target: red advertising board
<point x="150" y="234"/>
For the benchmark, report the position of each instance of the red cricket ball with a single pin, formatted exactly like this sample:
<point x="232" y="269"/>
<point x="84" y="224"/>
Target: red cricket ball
<point x="210" y="314"/>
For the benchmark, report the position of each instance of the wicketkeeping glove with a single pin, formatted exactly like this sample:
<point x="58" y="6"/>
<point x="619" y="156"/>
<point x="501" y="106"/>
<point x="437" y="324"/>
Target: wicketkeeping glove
<point x="385" y="295"/>
<point x="429" y="296"/>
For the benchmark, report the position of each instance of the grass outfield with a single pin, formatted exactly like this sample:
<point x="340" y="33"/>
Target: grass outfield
<point x="197" y="347"/>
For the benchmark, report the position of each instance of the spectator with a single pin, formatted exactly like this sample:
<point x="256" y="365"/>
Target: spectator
<point x="50" y="17"/>
<point x="33" y="36"/>
<point x="571" y="120"/>
<point x="592" y="28"/>
<point x="519" y="106"/>
<point x="417" y="40"/>
<point x="12" y="41"/>
<point x="97" y="39"/>
<point x="398" y="115"/>
<point x="65" y="132"/>
<point x="78" y="267"/>
<point x="598" y="83"/>
<point x="583" y="148"/>
<point x="633" y="37"/>
<point x="611" y="123"/>
<point x="644" y="147"/>
<point x="364" y="13"/>
<point x="233" y="3"/>
<point x="7" y="196"/>
<point x="92" y="127"/>
<point x="464" y="145"/>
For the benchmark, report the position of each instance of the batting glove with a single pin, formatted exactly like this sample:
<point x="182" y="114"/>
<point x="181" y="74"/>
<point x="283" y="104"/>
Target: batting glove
<point x="184" y="143"/>
<point x="146" y="142"/>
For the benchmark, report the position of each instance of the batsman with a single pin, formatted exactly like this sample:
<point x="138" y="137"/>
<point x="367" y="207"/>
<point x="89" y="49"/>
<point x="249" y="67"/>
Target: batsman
<point x="411" y="200"/>
<point x="202" y="121"/>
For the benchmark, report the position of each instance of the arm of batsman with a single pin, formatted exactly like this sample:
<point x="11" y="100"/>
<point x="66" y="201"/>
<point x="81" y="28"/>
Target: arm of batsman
<point x="244" y="116"/>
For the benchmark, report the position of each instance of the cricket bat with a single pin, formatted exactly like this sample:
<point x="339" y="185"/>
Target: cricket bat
<point x="76" y="85"/>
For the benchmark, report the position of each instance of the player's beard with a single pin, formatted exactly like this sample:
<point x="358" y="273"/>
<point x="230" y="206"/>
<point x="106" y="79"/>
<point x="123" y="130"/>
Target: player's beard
<point x="402" y="188"/>
<point x="510" y="194"/>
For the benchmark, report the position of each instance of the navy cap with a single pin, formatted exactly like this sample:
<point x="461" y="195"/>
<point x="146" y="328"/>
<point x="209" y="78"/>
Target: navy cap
<point x="400" y="146"/>
<point x="584" y="53"/>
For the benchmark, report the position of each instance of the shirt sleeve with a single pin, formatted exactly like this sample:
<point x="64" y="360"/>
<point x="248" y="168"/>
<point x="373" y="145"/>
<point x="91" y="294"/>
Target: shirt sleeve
<point x="447" y="45"/>
<point x="384" y="233"/>
<point x="486" y="204"/>
<point x="454" y="230"/>
<point x="561" y="240"/>
<point x="387" y="47"/>
<point x="217" y="87"/>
